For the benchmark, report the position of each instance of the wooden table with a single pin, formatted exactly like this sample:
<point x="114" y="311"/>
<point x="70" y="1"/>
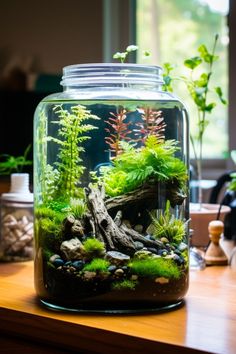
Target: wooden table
<point x="206" y="324"/>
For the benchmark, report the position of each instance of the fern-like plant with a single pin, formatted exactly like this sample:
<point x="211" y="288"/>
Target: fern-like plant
<point x="154" y="161"/>
<point x="72" y="134"/>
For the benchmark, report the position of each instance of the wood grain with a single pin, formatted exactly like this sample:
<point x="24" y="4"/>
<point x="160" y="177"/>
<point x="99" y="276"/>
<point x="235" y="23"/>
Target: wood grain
<point x="205" y="324"/>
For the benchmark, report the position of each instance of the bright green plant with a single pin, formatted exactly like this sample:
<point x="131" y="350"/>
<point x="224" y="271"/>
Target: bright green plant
<point x="10" y="164"/>
<point x="97" y="265"/>
<point x="155" y="267"/>
<point x="166" y="225"/>
<point x="155" y="160"/>
<point x="198" y="87"/>
<point x="77" y="207"/>
<point x="71" y="136"/>
<point x="125" y="284"/>
<point x="93" y="248"/>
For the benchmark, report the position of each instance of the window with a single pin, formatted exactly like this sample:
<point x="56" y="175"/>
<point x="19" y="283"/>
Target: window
<point x="173" y="30"/>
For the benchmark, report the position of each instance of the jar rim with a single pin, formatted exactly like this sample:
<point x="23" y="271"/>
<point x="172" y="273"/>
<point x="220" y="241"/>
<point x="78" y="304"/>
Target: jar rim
<point x="108" y="73"/>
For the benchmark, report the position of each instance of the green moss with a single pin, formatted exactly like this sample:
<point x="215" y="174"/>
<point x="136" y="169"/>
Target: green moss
<point x="155" y="267"/>
<point x="48" y="213"/>
<point x="125" y="284"/>
<point x="97" y="265"/>
<point x="94" y="247"/>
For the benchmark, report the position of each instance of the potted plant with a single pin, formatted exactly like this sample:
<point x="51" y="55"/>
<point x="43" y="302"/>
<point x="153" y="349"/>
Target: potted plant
<point x="198" y="87"/>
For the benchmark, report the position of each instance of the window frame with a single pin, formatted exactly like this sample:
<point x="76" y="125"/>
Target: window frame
<point x="120" y="30"/>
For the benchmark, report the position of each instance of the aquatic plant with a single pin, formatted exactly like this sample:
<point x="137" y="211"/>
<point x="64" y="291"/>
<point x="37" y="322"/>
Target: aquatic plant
<point x="72" y="134"/>
<point x="77" y="207"/>
<point x="166" y="225"/>
<point x="155" y="160"/>
<point x="155" y="267"/>
<point x="115" y="182"/>
<point x="125" y="284"/>
<point x="152" y="124"/>
<point x="49" y="222"/>
<point x="93" y="248"/>
<point x="118" y="131"/>
<point x="97" y="265"/>
<point x="50" y="212"/>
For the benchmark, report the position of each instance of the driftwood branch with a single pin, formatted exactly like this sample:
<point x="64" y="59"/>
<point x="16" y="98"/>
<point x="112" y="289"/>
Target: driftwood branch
<point x="112" y="235"/>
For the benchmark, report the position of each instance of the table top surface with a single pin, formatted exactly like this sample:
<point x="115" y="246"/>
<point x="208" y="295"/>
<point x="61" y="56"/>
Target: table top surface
<point x="205" y="324"/>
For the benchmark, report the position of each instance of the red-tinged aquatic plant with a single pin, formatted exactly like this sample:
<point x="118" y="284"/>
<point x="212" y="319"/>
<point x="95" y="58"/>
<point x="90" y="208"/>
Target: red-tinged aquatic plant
<point x="152" y="124"/>
<point x="118" y="131"/>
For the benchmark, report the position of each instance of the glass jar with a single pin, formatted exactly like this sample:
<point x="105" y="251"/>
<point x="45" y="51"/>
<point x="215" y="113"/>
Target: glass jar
<point x="16" y="238"/>
<point x="111" y="192"/>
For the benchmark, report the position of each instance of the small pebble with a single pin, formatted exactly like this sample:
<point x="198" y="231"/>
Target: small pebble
<point x="119" y="272"/>
<point x="67" y="264"/>
<point x="178" y="260"/>
<point x="182" y="246"/>
<point x="111" y="268"/>
<point x="89" y="275"/>
<point x="78" y="265"/>
<point x="134" y="277"/>
<point x="58" y="262"/>
<point x="52" y="258"/>
<point x="162" y="280"/>
<point x="149" y="237"/>
<point x="163" y="252"/>
<point x="164" y="240"/>
<point x="138" y="245"/>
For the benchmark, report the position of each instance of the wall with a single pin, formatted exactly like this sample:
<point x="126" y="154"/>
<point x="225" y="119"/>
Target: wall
<point x="46" y="35"/>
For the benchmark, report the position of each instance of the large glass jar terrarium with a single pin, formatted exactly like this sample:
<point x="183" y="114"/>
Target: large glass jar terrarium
<point x="111" y="195"/>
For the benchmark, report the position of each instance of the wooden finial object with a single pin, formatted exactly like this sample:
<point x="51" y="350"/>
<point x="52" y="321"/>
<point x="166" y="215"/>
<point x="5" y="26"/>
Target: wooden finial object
<point x="214" y="254"/>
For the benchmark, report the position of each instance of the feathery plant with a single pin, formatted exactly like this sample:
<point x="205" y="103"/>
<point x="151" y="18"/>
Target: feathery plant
<point x="135" y="166"/>
<point x="72" y="134"/>
<point x="152" y="124"/>
<point x="118" y="131"/>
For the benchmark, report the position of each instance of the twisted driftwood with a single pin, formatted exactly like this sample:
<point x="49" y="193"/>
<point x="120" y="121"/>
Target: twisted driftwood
<point x="115" y="234"/>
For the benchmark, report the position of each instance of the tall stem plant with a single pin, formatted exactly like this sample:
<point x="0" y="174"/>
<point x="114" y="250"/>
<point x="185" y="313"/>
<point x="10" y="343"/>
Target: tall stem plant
<point x="198" y="87"/>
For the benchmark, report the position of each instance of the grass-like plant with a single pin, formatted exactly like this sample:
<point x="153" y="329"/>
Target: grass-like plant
<point x="77" y="207"/>
<point x="155" y="267"/>
<point x="166" y="225"/>
<point x="97" y="265"/>
<point x="155" y="160"/>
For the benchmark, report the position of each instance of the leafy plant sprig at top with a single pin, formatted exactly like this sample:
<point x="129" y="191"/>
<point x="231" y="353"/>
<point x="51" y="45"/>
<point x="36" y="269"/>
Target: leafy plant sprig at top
<point x="198" y="87"/>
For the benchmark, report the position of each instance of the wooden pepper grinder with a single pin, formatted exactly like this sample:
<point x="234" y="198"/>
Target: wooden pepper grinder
<point x="214" y="254"/>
